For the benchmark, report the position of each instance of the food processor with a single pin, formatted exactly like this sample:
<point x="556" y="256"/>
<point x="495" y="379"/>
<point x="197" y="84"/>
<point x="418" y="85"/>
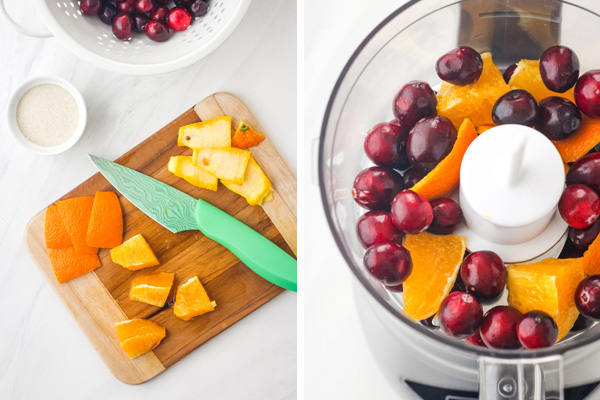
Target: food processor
<point x="421" y="362"/>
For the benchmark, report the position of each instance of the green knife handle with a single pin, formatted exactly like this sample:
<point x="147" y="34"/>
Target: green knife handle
<point x="256" y="251"/>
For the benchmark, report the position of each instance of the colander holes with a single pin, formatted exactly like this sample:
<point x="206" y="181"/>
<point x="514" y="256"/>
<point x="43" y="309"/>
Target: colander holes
<point x="72" y="5"/>
<point x="75" y="16"/>
<point x="219" y="20"/>
<point x="99" y="37"/>
<point x="110" y="45"/>
<point x="79" y="12"/>
<point x="66" y="5"/>
<point x="105" y="35"/>
<point x="66" y="12"/>
<point x="112" y="41"/>
<point x="58" y="5"/>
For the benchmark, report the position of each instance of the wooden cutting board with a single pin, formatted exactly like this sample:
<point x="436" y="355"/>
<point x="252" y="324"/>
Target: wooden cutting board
<point x="99" y="299"/>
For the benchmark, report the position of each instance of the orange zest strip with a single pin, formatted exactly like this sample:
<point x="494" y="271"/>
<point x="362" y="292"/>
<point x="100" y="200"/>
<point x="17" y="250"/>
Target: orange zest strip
<point x="581" y="142"/>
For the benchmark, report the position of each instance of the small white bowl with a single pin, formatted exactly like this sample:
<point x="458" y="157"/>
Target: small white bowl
<point x="12" y="115"/>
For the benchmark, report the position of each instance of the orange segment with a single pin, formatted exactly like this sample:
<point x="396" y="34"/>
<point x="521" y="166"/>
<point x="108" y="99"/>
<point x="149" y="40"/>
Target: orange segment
<point x="548" y="285"/>
<point x="191" y="300"/>
<point x="55" y="233"/>
<point x="68" y="264"/>
<point x="139" y="336"/>
<point x="581" y="142"/>
<point x="591" y="258"/>
<point x="444" y="178"/>
<point x="152" y="289"/>
<point x="483" y="128"/>
<point x="436" y="261"/>
<point x="106" y="221"/>
<point x="75" y="215"/>
<point x="246" y="137"/>
<point x="527" y="77"/>
<point x="474" y="101"/>
<point x="134" y="254"/>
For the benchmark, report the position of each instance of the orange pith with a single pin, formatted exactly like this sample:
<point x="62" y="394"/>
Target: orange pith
<point x="105" y="228"/>
<point x="192" y="300"/>
<point x="474" y="101"/>
<point x="55" y="233"/>
<point x="134" y="254"/>
<point x="444" y="178"/>
<point x="527" y="77"/>
<point x="75" y="214"/>
<point x="152" y="289"/>
<point x="436" y="261"/>
<point x="139" y="336"/>
<point x="548" y="285"/>
<point x="581" y="142"/>
<point x="68" y="264"/>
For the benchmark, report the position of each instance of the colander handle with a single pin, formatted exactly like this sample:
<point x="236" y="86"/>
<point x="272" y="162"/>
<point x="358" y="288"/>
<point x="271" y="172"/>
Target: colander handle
<point x="21" y="29"/>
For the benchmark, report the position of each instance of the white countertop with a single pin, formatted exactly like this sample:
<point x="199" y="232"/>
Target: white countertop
<point x="43" y="354"/>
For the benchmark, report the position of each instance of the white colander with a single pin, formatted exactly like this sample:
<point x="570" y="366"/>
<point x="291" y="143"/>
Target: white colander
<point x="94" y="42"/>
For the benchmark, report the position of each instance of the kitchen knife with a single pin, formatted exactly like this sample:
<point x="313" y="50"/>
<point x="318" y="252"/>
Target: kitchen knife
<point x="179" y="212"/>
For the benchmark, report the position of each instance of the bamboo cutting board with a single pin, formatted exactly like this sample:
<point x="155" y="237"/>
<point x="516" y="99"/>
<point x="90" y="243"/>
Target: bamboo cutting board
<point x="99" y="299"/>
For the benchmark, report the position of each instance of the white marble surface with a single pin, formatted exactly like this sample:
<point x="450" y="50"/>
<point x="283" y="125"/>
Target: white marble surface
<point x="43" y="354"/>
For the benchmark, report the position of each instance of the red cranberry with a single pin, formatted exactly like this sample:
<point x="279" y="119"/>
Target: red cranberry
<point x="414" y="101"/>
<point x="385" y="145"/>
<point x="558" y="118"/>
<point x="509" y="72"/>
<point x="499" y="328"/>
<point x="570" y="251"/>
<point x="126" y="6"/>
<point x="377" y="227"/>
<point x="388" y="262"/>
<point x="483" y="274"/>
<point x="160" y="14"/>
<point x="396" y="288"/>
<point x="144" y="6"/>
<point x="157" y="31"/>
<point x="579" y="206"/>
<point x="586" y="171"/>
<point x="198" y="8"/>
<point x="139" y="22"/>
<point x="536" y="330"/>
<point x="162" y="2"/>
<point x="559" y="68"/>
<point x="122" y="26"/>
<point x="179" y="18"/>
<point x="587" y="297"/>
<point x="582" y="238"/>
<point x="107" y="13"/>
<point x="413" y="175"/>
<point x="587" y="93"/>
<point x="581" y="323"/>
<point x="460" y="315"/>
<point x="460" y="66"/>
<point x="374" y="188"/>
<point x="475" y="340"/>
<point x="515" y="107"/>
<point x="446" y="215"/>
<point x="430" y="141"/>
<point x="411" y="212"/>
<point x="90" y="7"/>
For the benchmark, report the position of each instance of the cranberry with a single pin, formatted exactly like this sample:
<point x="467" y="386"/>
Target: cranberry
<point x="446" y="215"/>
<point x="559" y="68"/>
<point x="537" y="330"/>
<point x="586" y="171"/>
<point x="157" y="31"/>
<point x="126" y="6"/>
<point x="460" y="315"/>
<point x="411" y="212"/>
<point x="396" y="288"/>
<point x="162" y="2"/>
<point x="484" y="274"/>
<point x="515" y="107"/>
<point x="198" y="8"/>
<point x="414" y="101"/>
<point x="183" y="3"/>
<point x="90" y="7"/>
<point x="160" y="14"/>
<point x="587" y="93"/>
<point x="499" y="328"/>
<point x="374" y="188"/>
<point x="413" y="175"/>
<point x="460" y="66"/>
<point x="475" y="340"/>
<point x="179" y="18"/>
<point x="570" y="251"/>
<point x="139" y="22"/>
<point x="587" y="297"/>
<point x="385" y="145"/>
<point x="122" y="26"/>
<point x="579" y="206"/>
<point x="581" y="323"/>
<point x="144" y="6"/>
<point x="558" y="118"/>
<point x="430" y="141"/>
<point x="509" y="72"/>
<point x="377" y="227"/>
<point x="107" y="13"/>
<point x="388" y="262"/>
<point x="582" y="238"/>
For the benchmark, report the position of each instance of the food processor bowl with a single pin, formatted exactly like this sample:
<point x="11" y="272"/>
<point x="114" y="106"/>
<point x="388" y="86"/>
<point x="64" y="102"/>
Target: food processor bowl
<point x="405" y="47"/>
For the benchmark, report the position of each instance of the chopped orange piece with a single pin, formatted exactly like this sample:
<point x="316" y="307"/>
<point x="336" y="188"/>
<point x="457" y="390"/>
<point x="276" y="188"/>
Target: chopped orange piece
<point x="444" y="178"/>
<point x="191" y="300"/>
<point x="483" y="128"/>
<point x="591" y="258"/>
<point x="55" y="233"/>
<point x="436" y="261"/>
<point x="152" y="289"/>
<point x="75" y="215"/>
<point x="581" y="142"/>
<point x="68" y="264"/>
<point x="548" y="285"/>
<point x="246" y="137"/>
<point x="474" y="101"/>
<point x="527" y="77"/>
<point x="134" y="254"/>
<point x="139" y="336"/>
<point x="106" y="222"/>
